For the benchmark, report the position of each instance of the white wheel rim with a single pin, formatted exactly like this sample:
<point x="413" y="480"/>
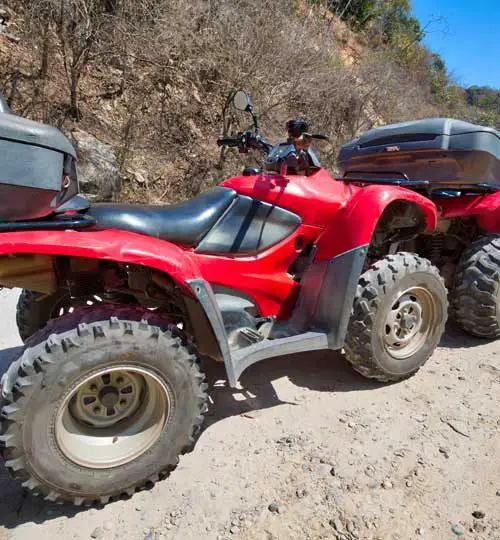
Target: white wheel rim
<point x="112" y="417"/>
<point x="409" y="322"/>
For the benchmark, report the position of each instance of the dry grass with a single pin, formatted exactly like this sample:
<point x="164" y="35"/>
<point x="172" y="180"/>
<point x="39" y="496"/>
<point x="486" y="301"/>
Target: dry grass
<point x="158" y="73"/>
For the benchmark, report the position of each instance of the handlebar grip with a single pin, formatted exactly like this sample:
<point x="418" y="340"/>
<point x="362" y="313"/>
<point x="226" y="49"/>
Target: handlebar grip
<point x="228" y="141"/>
<point x="320" y="137"/>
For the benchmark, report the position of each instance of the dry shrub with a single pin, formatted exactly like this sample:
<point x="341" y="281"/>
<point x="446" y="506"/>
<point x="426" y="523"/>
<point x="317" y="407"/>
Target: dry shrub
<point x="156" y="75"/>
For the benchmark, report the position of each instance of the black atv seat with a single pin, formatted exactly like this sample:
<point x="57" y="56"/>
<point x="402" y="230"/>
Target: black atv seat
<point x="185" y="223"/>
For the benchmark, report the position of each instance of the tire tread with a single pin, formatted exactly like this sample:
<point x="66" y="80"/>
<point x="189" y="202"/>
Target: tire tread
<point x="37" y="358"/>
<point x="476" y="293"/>
<point x="373" y="285"/>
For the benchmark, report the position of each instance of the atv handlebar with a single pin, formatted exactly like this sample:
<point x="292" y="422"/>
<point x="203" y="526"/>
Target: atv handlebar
<point x="320" y="137"/>
<point x="245" y="141"/>
<point x="231" y="142"/>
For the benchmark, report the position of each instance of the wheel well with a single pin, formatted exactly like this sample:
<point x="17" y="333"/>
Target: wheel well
<point x="113" y="282"/>
<point x="444" y="246"/>
<point x="402" y="227"/>
<point x="400" y="221"/>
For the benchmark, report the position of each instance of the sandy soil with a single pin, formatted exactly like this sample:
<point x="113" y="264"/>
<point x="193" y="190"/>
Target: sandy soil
<point x="308" y="449"/>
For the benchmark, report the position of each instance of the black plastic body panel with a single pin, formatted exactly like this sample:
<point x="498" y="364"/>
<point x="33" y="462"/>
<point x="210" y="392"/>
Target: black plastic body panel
<point x="249" y="226"/>
<point x="327" y="295"/>
<point x="439" y="150"/>
<point x="24" y="202"/>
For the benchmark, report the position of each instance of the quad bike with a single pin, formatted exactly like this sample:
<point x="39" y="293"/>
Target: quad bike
<point x="122" y="304"/>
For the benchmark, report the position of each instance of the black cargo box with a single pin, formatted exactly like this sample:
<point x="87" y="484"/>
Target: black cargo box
<point x="37" y="169"/>
<point x="439" y="150"/>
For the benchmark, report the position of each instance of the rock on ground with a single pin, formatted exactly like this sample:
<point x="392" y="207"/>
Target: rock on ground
<point x="276" y="439"/>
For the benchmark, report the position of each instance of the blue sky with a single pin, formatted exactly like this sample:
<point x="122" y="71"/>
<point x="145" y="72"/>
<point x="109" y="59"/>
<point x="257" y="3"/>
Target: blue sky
<point x="467" y="37"/>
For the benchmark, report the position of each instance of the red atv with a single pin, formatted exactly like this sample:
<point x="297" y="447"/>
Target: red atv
<point x="122" y="303"/>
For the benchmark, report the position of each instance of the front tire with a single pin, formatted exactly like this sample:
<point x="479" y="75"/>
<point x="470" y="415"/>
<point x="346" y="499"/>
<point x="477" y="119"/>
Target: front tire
<point x="398" y="318"/>
<point x="476" y="294"/>
<point x="102" y="405"/>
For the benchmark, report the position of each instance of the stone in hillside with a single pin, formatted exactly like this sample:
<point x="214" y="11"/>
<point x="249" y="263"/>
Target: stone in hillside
<point x="5" y="16"/>
<point x="98" y="171"/>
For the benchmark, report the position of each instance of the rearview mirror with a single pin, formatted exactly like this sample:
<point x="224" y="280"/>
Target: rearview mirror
<point x="241" y="101"/>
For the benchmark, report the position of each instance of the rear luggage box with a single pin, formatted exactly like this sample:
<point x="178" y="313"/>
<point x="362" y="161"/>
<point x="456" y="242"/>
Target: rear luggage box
<point x="442" y="151"/>
<point x="37" y="169"/>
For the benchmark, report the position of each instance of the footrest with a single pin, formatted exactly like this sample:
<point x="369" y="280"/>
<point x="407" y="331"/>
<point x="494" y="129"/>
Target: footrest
<point x="251" y="335"/>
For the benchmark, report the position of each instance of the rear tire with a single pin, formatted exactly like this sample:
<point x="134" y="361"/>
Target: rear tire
<point x="100" y="404"/>
<point x="35" y="309"/>
<point x="398" y="317"/>
<point x="475" y="304"/>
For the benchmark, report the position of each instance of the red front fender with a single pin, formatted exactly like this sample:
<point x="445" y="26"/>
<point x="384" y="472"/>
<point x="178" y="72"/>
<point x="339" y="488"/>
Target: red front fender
<point x="120" y="246"/>
<point x="354" y="222"/>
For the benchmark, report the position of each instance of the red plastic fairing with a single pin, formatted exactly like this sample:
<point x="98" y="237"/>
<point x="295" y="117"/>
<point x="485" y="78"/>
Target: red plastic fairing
<point x="354" y="222"/>
<point x="341" y="215"/>
<point x="263" y="276"/>
<point x="112" y="245"/>
<point x="487" y="207"/>
<point x="314" y="198"/>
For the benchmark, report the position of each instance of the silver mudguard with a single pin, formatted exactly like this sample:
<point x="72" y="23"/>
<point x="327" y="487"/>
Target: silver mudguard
<point x="319" y="320"/>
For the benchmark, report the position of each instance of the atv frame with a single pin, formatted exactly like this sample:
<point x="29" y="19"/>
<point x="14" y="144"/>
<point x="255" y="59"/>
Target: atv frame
<point x="87" y="263"/>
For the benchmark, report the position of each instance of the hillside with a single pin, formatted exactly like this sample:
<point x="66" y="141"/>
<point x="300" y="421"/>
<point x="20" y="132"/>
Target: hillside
<point x="151" y="78"/>
<point x="487" y="100"/>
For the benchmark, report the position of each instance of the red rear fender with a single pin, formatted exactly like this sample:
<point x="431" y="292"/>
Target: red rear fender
<point x="486" y="208"/>
<point x="354" y="222"/>
<point x="119" y="246"/>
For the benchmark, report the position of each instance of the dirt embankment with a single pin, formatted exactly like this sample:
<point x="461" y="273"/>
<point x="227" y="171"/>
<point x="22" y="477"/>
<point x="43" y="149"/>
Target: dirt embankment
<point x="153" y="83"/>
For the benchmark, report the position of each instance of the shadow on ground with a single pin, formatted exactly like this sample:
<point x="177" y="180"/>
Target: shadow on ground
<point x="454" y="338"/>
<point x="319" y="371"/>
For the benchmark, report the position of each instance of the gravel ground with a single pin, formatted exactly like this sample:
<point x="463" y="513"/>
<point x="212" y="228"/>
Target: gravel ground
<point x="308" y="449"/>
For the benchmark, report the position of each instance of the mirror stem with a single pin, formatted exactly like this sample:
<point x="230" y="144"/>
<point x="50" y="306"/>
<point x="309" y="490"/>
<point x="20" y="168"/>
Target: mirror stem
<point x="256" y="122"/>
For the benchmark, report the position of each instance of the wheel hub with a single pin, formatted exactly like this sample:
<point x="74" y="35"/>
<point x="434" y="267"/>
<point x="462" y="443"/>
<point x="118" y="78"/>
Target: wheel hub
<point x="109" y="396"/>
<point x="407" y="323"/>
<point x="112" y="417"/>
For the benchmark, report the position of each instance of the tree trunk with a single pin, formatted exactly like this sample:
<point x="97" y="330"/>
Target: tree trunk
<point x="75" y="78"/>
<point x="44" y="62"/>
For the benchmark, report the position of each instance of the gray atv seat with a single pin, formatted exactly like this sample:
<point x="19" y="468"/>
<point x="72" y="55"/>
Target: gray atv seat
<point x="185" y="223"/>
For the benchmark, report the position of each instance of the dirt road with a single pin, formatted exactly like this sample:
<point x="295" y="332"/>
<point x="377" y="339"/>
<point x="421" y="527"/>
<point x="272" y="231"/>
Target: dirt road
<point x="308" y="449"/>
